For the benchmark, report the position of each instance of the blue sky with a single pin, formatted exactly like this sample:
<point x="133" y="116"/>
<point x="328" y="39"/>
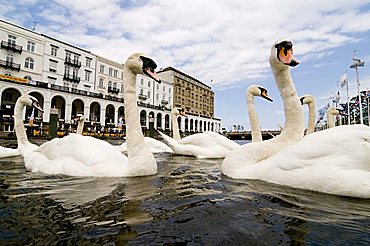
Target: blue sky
<point x="224" y="41"/>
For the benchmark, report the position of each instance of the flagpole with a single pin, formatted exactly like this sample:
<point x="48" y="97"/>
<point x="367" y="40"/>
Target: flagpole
<point x="355" y="64"/>
<point x="348" y="110"/>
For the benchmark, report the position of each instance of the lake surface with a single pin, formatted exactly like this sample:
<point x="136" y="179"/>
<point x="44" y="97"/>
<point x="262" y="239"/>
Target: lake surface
<point x="187" y="203"/>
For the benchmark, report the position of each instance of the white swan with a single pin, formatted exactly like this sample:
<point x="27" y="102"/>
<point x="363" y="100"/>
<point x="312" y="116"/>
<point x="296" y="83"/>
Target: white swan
<point x="80" y="123"/>
<point x="238" y="161"/>
<point x="79" y="155"/>
<point x="253" y="91"/>
<point x="310" y="101"/>
<point x="201" y="145"/>
<point x="334" y="161"/>
<point x="330" y="113"/>
<point x="175" y="112"/>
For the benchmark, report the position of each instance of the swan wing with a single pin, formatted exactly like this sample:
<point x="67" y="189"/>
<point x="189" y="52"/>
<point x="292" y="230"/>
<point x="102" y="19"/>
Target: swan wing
<point x="8" y="152"/>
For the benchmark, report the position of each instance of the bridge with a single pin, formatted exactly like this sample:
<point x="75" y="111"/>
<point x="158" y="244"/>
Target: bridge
<point x="247" y="135"/>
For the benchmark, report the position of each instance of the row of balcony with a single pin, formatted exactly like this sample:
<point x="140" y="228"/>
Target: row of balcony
<point x="10" y="65"/>
<point x="71" y="78"/>
<point x="11" y="46"/>
<point x="113" y="90"/>
<point x="72" y="62"/>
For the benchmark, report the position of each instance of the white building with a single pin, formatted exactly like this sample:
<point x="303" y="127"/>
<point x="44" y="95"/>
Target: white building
<point x="74" y="81"/>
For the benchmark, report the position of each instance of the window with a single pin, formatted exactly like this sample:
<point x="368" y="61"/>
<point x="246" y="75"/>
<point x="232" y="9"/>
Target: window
<point x="157" y="96"/>
<point x="142" y="81"/>
<point x="148" y="94"/>
<point x="68" y="55"/>
<point x="30" y="46"/>
<point x="9" y="58"/>
<point x="102" y="69"/>
<point x="88" y="62"/>
<point x="148" y="83"/>
<point x="115" y="73"/>
<point x="28" y="63"/>
<point x="66" y="84"/>
<point x="141" y="92"/>
<point x="101" y="83"/>
<point x="157" y="86"/>
<point x="114" y="85"/>
<point x="53" y="65"/>
<point x="12" y="39"/>
<point x="54" y="50"/>
<point x="169" y="90"/>
<point x="87" y="75"/>
<point x="122" y="88"/>
<point x="75" y="72"/>
<point x="169" y="99"/>
<point x="52" y="80"/>
<point x="67" y="70"/>
<point x="109" y="85"/>
<point x="110" y="71"/>
<point x="164" y="88"/>
<point x="76" y="57"/>
<point x="164" y="97"/>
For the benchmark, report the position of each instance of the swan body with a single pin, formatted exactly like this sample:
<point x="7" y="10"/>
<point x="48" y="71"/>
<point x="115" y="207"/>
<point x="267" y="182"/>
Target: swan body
<point x="201" y="145"/>
<point x="281" y="58"/>
<point x="334" y="161"/>
<point x="310" y="101"/>
<point x="79" y="155"/>
<point x="253" y="91"/>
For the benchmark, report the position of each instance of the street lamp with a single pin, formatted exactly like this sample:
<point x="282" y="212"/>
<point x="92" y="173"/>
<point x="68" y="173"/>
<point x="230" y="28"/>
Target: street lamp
<point x="355" y="64"/>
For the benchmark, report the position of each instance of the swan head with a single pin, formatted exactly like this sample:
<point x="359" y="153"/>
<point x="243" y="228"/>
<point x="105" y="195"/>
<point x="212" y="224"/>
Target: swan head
<point x="282" y="54"/>
<point x="178" y="111"/>
<point x="307" y="99"/>
<point x="335" y="111"/>
<point x="79" y="117"/>
<point x="30" y="101"/>
<point x="140" y="63"/>
<point x="259" y="91"/>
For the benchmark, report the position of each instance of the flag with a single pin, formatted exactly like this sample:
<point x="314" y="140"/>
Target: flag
<point x="343" y="80"/>
<point x="32" y="117"/>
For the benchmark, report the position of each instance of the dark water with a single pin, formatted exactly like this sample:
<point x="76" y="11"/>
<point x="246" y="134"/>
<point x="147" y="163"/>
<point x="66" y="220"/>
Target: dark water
<point x="187" y="202"/>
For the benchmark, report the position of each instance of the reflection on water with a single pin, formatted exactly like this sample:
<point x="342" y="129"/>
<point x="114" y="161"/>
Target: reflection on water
<point x="188" y="201"/>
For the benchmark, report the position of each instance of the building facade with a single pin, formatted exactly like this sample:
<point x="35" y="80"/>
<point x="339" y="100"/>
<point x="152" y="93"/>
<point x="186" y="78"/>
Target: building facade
<point x="74" y="80"/>
<point x="195" y="97"/>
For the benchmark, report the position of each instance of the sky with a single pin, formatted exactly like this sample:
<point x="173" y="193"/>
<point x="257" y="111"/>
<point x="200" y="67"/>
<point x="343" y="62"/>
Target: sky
<point x="223" y="43"/>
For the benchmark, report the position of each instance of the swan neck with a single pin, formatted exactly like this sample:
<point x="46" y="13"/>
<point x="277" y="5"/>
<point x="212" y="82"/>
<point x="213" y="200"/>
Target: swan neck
<point x="294" y="117"/>
<point x="311" y="118"/>
<point x="253" y="119"/>
<point x="134" y="134"/>
<point x="80" y="127"/>
<point x="19" y="125"/>
<point x="175" y="127"/>
<point x="330" y="120"/>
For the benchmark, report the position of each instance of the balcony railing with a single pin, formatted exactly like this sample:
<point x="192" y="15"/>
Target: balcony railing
<point x="72" y="62"/>
<point x="10" y="46"/>
<point x="113" y="90"/>
<point x="11" y="65"/>
<point x="77" y="91"/>
<point x="164" y="102"/>
<point x="70" y="77"/>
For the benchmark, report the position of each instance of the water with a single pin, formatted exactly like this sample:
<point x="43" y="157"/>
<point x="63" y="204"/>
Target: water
<point x="187" y="202"/>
